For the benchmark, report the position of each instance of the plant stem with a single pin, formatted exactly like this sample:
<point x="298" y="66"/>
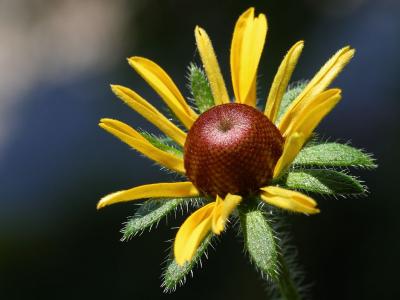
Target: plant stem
<point x="285" y="283"/>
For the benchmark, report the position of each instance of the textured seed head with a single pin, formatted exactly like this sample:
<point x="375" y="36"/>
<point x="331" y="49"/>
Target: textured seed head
<point x="231" y="148"/>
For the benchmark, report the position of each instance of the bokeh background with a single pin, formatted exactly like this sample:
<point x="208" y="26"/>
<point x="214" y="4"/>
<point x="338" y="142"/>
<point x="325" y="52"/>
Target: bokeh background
<point x="57" y="59"/>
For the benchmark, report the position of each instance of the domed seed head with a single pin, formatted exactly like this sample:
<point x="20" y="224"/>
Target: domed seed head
<point x="232" y="148"/>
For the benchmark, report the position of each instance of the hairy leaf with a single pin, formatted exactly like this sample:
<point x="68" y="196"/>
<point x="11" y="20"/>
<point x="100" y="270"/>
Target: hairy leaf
<point x="162" y="142"/>
<point x="292" y="92"/>
<point x="149" y="214"/>
<point x="200" y="88"/>
<point x="323" y="182"/>
<point x="175" y="274"/>
<point x="334" y="155"/>
<point x="259" y="240"/>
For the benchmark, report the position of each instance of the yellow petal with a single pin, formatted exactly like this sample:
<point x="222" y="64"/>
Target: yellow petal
<point x="159" y="80"/>
<point x="281" y="81"/>
<point x="156" y="190"/>
<point x="289" y="200"/>
<point x="303" y="124"/>
<point x="122" y="127"/>
<point x="211" y="66"/>
<point x="291" y="148"/>
<point x="191" y="233"/>
<point x="246" y="49"/>
<point x="149" y="112"/>
<point x="308" y="118"/>
<point x="143" y="146"/>
<point x="222" y="211"/>
<point x="318" y="84"/>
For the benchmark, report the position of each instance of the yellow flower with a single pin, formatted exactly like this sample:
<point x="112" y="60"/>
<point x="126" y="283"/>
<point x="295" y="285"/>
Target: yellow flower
<point x="232" y="150"/>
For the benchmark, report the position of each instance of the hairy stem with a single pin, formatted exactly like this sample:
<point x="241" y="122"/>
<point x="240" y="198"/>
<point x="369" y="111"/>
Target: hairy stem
<point x="285" y="283"/>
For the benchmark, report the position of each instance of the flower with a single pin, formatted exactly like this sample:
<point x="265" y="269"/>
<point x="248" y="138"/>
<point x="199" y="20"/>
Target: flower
<point x="232" y="150"/>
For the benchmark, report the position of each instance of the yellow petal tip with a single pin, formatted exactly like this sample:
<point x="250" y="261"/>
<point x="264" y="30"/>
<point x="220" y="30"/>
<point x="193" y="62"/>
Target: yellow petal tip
<point x="312" y="211"/>
<point x="300" y="44"/>
<point x="218" y="230"/>
<point x="103" y="202"/>
<point x="251" y="9"/>
<point x="134" y="59"/>
<point x="105" y="120"/>
<point x="109" y="199"/>
<point x="116" y="88"/>
<point x="263" y="17"/>
<point x="347" y="53"/>
<point x="198" y="32"/>
<point x="100" y="204"/>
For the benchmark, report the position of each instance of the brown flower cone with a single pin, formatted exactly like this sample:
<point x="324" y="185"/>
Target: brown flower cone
<point x="232" y="148"/>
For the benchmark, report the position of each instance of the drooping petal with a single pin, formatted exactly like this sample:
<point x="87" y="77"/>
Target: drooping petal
<point x="192" y="232"/>
<point x="149" y="112"/>
<point x="121" y="127"/>
<point x="291" y="148"/>
<point x="289" y="200"/>
<point x="159" y="80"/>
<point x="222" y="211"/>
<point x="156" y="190"/>
<point x="143" y="146"/>
<point x="246" y="49"/>
<point x="211" y="66"/>
<point x="281" y="81"/>
<point x="303" y="125"/>
<point x="310" y="115"/>
<point x="318" y="84"/>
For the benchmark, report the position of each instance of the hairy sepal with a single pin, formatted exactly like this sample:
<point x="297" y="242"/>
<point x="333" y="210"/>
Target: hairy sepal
<point x="259" y="240"/>
<point x="175" y="275"/>
<point x="200" y="88"/>
<point x="323" y="181"/>
<point x="290" y="95"/>
<point x="162" y="142"/>
<point x="151" y="212"/>
<point x="332" y="154"/>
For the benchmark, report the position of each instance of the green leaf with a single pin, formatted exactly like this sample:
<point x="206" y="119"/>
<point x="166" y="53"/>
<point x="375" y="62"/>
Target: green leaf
<point x="323" y="182"/>
<point x="334" y="155"/>
<point x="292" y="92"/>
<point x="200" y="88"/>
<point x="175" y="274"/>
<point x="162" y="142"/>
<point x="259" y="240"/>
<point x="149" y="214"/>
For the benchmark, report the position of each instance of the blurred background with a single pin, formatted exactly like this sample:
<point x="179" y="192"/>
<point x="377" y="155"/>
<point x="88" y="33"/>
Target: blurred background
<point x="57" y="59"/>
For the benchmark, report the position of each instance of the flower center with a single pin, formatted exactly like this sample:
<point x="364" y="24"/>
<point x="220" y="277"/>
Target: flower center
<point x="231" y="148"/>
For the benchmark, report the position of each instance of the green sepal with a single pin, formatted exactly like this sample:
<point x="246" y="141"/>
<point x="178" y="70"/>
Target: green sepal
<point x="328" y="182"/>
<point x="333" y="154"/>
<point x="200" y="88"/>
<point x="291" y="93"/>
<point x="175" y="275"/>
<point x="150" y="213"/>
<point x="259" y="240"/>
<point x="162" y="142"/>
